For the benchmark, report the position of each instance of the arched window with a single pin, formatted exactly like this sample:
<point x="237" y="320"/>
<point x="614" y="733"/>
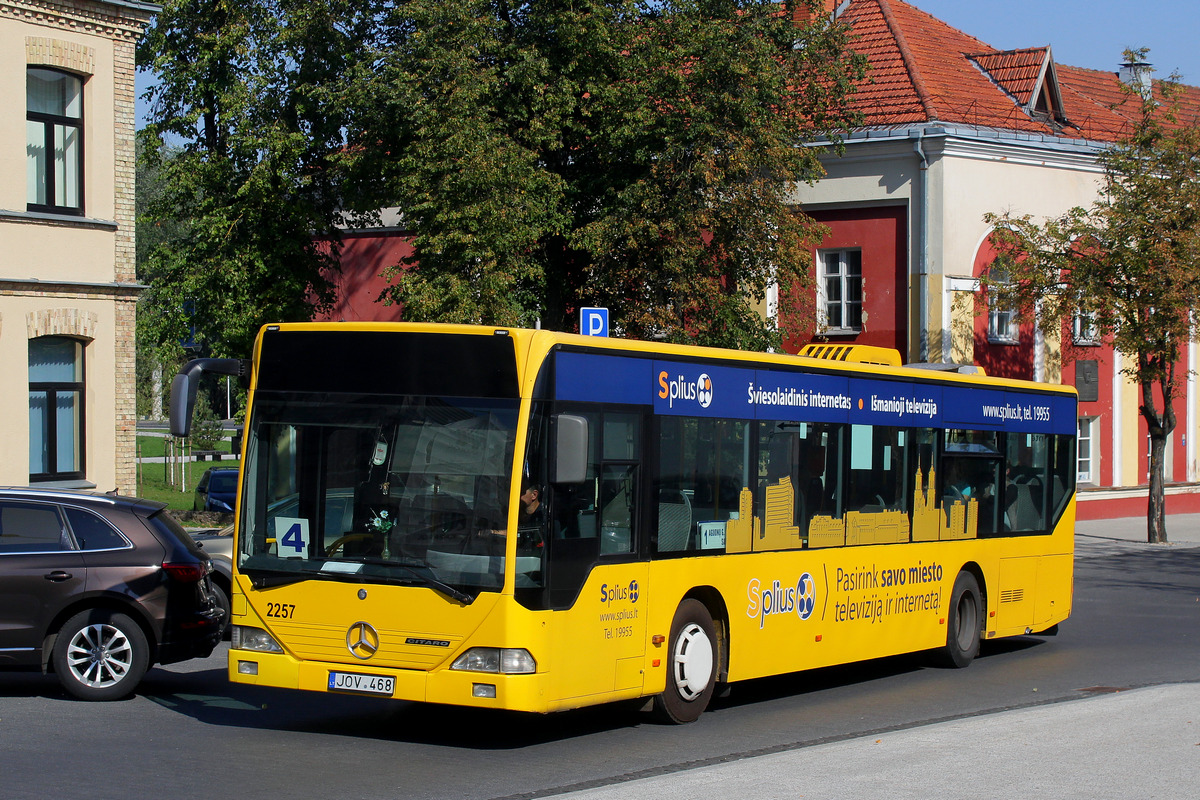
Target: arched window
<point x="53" y="141"/>
<point x="56" y="419"/>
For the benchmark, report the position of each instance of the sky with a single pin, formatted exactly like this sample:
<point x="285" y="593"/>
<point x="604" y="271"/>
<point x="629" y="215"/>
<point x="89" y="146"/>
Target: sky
<point x="1084" y="33"/>
<point x="1081" y="33"/>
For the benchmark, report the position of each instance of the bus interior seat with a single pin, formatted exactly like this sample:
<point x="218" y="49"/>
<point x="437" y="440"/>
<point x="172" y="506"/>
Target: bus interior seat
<point x="586" y="522"/>
<point x="674" y="521"/>
<point x="875" y="507"/>
<point x="950" y="496"/>
<point x="1024" y="512"/>
<point x="1057" y="493"/>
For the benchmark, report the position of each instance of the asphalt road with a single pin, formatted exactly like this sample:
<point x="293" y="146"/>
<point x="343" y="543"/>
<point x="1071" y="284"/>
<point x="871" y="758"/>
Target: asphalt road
<point x="189" y="733"/>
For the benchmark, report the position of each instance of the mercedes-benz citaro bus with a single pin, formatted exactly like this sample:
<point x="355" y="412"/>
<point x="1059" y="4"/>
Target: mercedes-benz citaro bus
<point x="536" y="521"/>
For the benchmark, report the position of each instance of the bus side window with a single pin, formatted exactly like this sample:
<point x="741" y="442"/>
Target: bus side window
<point x="877" y="477"/>
<point x="1062" y="475"/>
<point x="1026" y="464"/>
<point x="703" y="465"/>
<point x="973" y="474"/>
<point x="618" y="488"/>
<point x="830" y="439"/>
<point x="598" y="517"/>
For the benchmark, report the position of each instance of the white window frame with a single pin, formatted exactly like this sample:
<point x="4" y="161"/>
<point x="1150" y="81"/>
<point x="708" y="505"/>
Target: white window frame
<point x="1084" y="330"/>
<point x="1087" y="435"/>
<point x="846" y="277"/>
<point x="1002" y="326"/>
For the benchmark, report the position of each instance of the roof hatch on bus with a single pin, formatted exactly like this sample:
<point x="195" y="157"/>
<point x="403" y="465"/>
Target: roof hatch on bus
<point x="856" y="353"/>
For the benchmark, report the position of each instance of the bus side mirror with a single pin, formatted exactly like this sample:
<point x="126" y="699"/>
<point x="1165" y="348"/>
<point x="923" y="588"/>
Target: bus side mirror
<point x="569" y="448"/>
<point x="183" y="388"/>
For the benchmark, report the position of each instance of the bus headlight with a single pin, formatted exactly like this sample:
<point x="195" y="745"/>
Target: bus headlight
<point x="508" y="660"/>
<point x="243" y="637"/>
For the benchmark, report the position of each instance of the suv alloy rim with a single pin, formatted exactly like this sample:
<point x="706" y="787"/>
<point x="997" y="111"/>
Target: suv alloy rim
<point x="99" y="655"/>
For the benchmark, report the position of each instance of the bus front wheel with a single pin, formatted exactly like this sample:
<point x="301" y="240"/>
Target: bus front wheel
<point x="964" y="622"/>
<point x="692" y="665"/>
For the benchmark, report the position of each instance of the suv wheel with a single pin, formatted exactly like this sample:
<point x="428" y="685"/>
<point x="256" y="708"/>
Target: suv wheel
<point x="221" y="597"/>
<point x="100" y="655"/>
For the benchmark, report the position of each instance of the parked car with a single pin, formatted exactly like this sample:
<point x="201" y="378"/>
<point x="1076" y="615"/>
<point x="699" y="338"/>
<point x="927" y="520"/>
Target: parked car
<point x="216" y="490"/>
<point x="218" y="545"/>
<point x="98" y="588"/>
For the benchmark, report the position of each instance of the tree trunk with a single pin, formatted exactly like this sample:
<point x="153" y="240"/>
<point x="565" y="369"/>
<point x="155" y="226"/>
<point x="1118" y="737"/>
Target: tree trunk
<point x="1159" y="426"/>
<point x="1156" y="510"/>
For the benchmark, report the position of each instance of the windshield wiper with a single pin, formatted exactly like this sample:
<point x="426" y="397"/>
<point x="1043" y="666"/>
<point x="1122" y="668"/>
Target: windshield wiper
<point x="269" y="579"/>
<point x="427" y="578"/>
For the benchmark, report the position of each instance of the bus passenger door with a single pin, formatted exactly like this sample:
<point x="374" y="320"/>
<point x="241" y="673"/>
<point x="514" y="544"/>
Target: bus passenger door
<point x="595" y="577"/>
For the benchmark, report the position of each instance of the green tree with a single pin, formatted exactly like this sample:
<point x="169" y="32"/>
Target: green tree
<point x="251" y="178"/>
<point x="635" y="155"/>
<point x="157" y="361"/>
<point x="1130" y="263"/>
<point x="206" y="430"/>
<point x="548" y="155"/>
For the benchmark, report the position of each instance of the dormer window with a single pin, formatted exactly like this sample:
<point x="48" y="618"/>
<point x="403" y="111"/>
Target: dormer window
<point x="1029" y="78"/>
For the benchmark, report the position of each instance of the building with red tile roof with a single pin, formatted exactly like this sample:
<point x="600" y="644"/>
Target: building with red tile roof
<point x="952" y="129"/>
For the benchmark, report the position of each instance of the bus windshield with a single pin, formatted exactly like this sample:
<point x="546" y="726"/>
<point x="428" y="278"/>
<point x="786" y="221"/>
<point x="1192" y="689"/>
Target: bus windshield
<point x="386" y="489"/>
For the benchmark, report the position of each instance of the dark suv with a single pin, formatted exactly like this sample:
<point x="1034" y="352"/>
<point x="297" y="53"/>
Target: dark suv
<point x="99" y="588"/>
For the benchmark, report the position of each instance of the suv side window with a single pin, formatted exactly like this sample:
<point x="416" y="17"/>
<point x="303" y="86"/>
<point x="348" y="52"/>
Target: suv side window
<point x="31" y="528"/>
<point x="92" y="532"/>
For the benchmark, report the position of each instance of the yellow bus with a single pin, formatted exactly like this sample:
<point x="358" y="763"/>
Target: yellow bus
<point x="536" y="521"/>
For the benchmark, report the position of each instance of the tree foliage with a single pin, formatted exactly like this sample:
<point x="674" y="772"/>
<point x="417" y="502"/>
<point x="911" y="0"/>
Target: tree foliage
<point x="1130" y="263"/>
<point x="546" y="154"/>
<point x="250" y="175"/>
<point x="638" y="156"/>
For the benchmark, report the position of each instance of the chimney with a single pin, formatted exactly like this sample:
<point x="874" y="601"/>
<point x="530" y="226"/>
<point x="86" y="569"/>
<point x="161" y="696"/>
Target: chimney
<point x="1136" y="73"/>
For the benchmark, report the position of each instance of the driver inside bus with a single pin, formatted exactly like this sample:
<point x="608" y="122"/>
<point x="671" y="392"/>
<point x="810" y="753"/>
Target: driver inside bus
<point x="532" y="514"/>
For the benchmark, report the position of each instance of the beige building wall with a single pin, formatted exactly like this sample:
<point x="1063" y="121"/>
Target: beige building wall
<point x="984" y="177"/>
<point x="996" y="179"/>
<point x="67" y="275"/>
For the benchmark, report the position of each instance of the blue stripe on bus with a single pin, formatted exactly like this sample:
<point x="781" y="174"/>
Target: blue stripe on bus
<point x="705" y="390"/>
<point x="602" y="379"/>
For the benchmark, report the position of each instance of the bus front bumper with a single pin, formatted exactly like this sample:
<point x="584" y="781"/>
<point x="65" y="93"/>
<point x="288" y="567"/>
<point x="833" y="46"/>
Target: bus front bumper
<point x="453" y="687"/>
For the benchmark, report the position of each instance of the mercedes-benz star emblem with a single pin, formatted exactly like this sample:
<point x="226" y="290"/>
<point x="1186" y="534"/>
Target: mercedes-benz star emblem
<point x="362" y="640"/>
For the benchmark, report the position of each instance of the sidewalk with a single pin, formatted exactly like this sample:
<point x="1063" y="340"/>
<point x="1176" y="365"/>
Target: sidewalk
<point x="1104" y="536"/>
<point x="1142" y="743"/>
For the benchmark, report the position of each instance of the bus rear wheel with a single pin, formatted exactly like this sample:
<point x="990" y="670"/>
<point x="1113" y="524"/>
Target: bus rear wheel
<point x="692" y="665"/>
<point x="964" y="622"/>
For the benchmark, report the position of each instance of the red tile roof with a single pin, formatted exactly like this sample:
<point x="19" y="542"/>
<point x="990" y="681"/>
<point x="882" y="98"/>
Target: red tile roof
<point x="1018" y="72"/>
<point x="923" y="70"/>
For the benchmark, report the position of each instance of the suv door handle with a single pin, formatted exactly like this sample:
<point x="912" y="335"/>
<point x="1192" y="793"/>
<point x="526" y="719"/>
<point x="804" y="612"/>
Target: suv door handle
<point x="58" y="576"/>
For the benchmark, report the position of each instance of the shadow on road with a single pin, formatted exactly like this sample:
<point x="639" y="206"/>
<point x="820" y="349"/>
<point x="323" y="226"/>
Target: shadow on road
<point x="208" y="697"/>
<point x="1165" y="582"/>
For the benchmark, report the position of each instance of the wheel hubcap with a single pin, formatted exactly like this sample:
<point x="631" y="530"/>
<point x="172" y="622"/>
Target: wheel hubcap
<point x="99" y="656"/>
<point x="693" y="662"/>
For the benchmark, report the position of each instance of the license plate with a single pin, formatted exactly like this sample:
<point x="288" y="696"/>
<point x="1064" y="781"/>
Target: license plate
<point x="366" y="684"/>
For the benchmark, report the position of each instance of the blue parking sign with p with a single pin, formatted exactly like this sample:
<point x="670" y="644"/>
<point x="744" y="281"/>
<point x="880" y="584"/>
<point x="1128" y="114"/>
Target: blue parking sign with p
<point x="593" y="321"/>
